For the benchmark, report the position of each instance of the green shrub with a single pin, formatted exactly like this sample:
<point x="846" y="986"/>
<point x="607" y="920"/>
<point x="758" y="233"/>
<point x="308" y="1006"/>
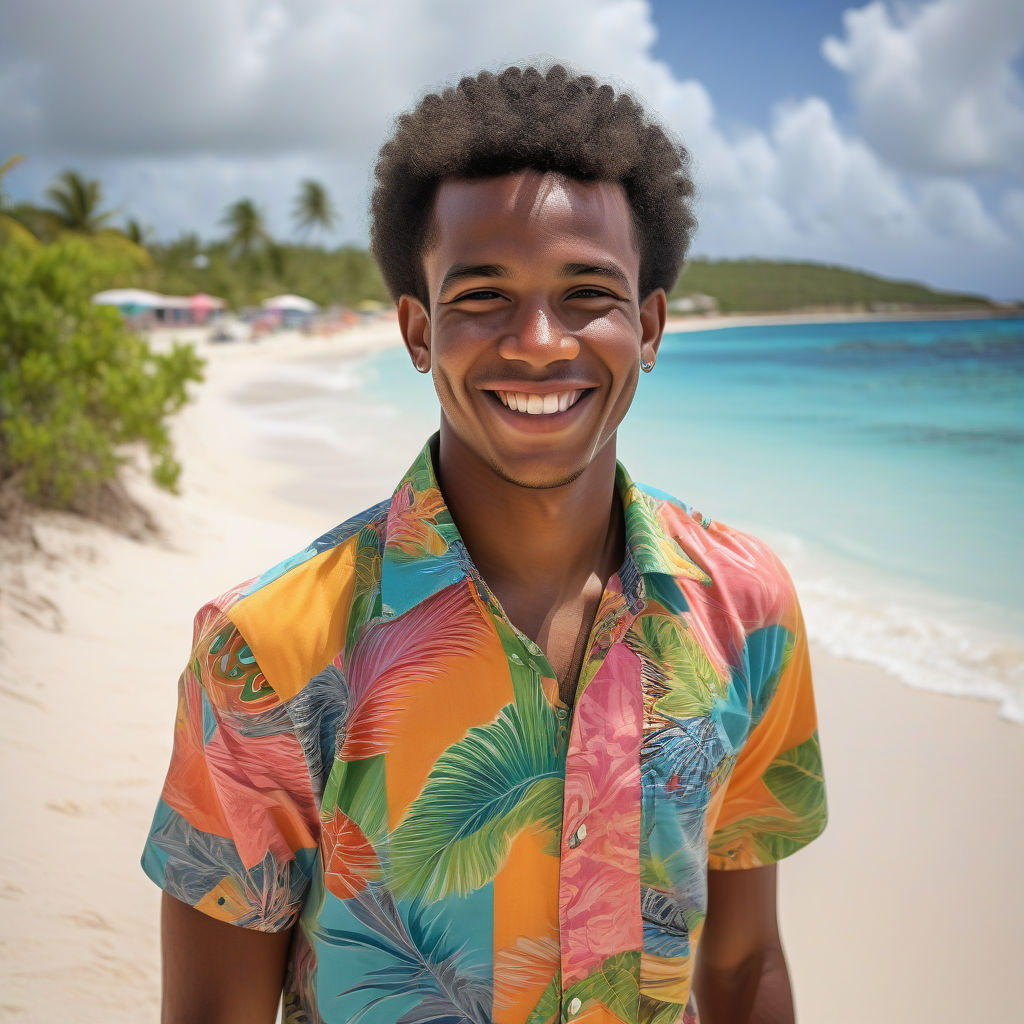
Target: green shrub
<point x="76" y="385"/>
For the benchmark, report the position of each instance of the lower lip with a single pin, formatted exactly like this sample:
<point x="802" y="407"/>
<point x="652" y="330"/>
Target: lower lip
<point x="543" y="422"/>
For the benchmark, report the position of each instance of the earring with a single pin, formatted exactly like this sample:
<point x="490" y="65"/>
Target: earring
<point x="647" y="367"/>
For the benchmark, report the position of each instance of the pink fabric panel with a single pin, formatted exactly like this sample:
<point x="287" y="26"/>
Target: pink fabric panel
<point x="599" y="889"/>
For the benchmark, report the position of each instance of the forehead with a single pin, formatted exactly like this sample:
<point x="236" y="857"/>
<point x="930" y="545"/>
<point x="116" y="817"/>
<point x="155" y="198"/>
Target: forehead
<point x="531" y="215"/>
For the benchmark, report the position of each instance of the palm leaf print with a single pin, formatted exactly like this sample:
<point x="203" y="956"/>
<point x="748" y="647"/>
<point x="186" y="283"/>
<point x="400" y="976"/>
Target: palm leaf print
<point x="614" y="985"/>
<point x="482" y="791"/>
<point x="528" y="963"/>
<point x="422" y="963"/>
<point x="366" y="592"/>
<point x="349" y="858"/>
<point x="394" y="654"/>
<point x="796" y="781"/>
<point x="675" y="668"/>
<point x="549" y="1006"/>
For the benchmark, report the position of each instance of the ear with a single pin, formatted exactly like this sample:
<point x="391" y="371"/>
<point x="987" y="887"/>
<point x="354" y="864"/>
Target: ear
<point x="414" y="322"/>
<point x="653" y="314"/>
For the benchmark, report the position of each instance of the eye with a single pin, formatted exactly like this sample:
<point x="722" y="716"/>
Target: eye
<point x="477" y="295"/>
<point x="589" y="292"/>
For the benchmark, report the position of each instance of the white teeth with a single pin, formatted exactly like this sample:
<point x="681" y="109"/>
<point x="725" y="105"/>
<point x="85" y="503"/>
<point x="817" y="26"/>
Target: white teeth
<point x="538" y="405"/>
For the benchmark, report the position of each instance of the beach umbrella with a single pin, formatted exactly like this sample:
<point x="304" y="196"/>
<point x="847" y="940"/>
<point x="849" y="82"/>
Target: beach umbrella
<point x="290" y="304"/>
<point x="134" y="297"/>
<point x="203" y="303"/>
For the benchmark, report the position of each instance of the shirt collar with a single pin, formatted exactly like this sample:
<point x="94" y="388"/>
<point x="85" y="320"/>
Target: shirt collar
<point x="424" y="553"/>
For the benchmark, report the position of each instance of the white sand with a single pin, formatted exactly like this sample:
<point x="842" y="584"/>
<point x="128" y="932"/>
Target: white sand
<point x="909" y="908"/>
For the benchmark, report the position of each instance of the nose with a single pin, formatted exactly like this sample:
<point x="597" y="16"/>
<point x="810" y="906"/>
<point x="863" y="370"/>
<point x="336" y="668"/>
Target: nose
<point x="538" y="337"/>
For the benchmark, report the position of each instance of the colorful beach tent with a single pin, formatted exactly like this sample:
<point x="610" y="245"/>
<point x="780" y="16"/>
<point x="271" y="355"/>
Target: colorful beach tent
<point x="290" y="304"/>
<point x="131" y="301"/>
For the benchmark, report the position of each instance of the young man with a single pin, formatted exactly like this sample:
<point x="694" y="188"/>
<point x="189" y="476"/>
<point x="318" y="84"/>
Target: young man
<point x="507" y="746"/>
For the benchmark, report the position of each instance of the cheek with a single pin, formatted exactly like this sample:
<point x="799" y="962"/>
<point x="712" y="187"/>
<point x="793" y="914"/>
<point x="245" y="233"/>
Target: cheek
<point x="449" y="370"/>
<point x="455" y="353"/>
<point x="618" y="348"/>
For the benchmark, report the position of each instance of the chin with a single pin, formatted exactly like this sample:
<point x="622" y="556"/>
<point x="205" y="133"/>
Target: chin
<point x="542" y="477"/>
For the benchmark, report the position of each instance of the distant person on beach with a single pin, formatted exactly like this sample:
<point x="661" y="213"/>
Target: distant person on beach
<point x="524" y="741"/>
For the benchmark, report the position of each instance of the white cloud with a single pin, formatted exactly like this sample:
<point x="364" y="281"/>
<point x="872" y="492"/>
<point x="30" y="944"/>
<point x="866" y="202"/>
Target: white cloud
<point x="934" y="85"/>
<point x="954" y="210"/>
<point x="180" y="109"/>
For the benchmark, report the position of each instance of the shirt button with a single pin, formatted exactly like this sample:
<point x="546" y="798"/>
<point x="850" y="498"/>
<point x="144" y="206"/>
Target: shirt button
<point x="574" y="1005"/>
<point x="577" y="837"/>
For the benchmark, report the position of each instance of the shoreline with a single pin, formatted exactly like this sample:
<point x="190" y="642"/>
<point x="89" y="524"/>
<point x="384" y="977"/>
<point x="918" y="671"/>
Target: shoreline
<point x="682" y="324"/>
<point x="982" y="661"/>
<point x="924" y="789"/>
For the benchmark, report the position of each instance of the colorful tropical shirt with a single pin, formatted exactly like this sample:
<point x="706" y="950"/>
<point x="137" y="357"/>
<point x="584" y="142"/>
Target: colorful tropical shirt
<point x="367" y="749"/>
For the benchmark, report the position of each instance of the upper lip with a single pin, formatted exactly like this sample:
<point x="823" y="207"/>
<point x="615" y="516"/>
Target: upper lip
<point x="546" y="387"/>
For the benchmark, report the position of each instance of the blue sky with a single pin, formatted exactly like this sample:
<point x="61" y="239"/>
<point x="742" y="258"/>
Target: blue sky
<point x="878" y="134"/>
<point x="751" y="55"/>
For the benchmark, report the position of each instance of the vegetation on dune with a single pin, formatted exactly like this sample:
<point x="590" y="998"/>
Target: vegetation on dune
<point x="742" y="286"/>
<point x="344" y="276"/>
<point x="76" y="384"/>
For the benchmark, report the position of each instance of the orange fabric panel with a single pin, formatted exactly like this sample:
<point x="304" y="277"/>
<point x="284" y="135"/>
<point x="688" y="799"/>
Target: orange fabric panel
<point x="296" y="625"/>
<point x="525" y="908"/>
<point x="789" y="721"/>
<point x="467" y="691"/>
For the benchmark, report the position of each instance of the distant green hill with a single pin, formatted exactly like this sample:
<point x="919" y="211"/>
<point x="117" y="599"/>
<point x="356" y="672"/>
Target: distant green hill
<point x="762" y="285"/>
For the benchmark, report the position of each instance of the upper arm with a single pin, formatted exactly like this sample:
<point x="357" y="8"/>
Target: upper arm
<point x="219" y="973"/>
<point x="741" y="973"/>
<point x="741" y="920"/>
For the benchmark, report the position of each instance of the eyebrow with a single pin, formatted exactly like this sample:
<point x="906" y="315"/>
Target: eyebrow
<point x="597" y="270"/>
<point x="460" y="271"/>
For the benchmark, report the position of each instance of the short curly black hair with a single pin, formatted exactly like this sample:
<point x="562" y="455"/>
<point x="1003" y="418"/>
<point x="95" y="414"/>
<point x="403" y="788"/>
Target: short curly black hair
<point x="524" y="118"/>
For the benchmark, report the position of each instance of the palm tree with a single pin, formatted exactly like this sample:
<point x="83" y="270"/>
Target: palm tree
<point x="247" y="228"/>
<point x="137" y="232"/>
<point x="76" y="203"/>
<point x="313" y="207"/>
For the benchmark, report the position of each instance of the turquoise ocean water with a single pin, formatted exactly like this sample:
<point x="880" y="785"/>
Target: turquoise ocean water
<point x="884" y="461"/>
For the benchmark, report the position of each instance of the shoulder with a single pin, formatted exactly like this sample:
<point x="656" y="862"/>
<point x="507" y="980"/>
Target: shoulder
<point x="746" y="576"/>
<point x="291" y="620"/>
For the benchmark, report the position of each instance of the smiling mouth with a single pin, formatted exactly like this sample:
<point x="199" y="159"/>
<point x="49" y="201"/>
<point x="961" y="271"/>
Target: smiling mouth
<point x="539" y="405"/>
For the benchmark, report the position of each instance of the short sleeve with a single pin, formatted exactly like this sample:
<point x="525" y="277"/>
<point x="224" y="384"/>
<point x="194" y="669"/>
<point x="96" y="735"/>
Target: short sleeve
<point x="774" y="801"/>
<point x="236" y="830"/>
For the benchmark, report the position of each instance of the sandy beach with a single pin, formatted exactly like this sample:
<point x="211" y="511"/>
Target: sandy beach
<point x="909" y="908"/>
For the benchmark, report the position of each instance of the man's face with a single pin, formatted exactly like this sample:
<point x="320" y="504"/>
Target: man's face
<point x="535" y="329"/>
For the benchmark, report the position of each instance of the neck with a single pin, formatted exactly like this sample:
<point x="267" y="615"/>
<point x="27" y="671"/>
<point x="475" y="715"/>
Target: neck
<point x="548" y="541"/>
